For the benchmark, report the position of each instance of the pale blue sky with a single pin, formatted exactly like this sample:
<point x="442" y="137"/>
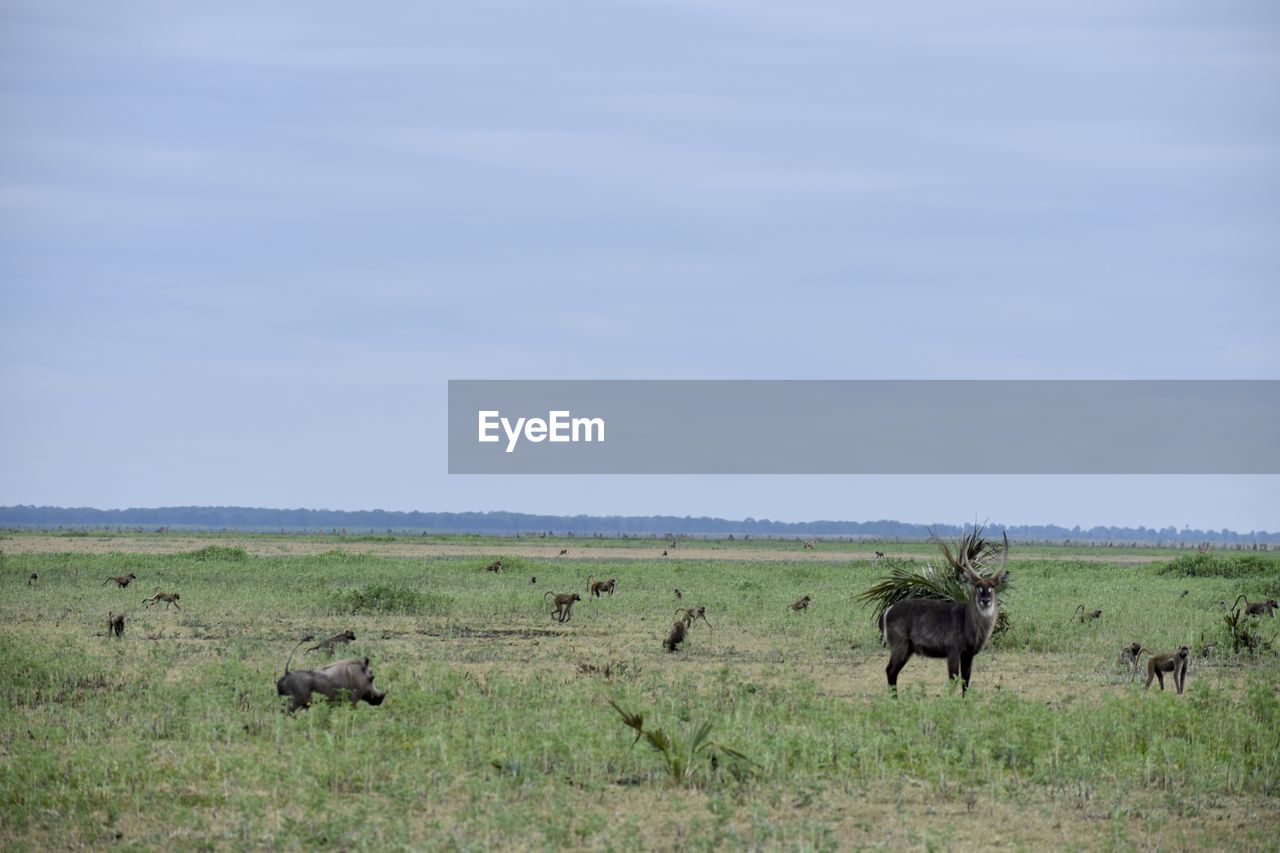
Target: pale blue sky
<point x="242" y="249"/>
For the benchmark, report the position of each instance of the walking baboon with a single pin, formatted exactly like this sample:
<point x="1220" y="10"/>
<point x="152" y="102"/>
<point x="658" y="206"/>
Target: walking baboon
<point x="1092" y="614"/>
<point x="595" y="587"/>
<point x="495" y="567"/>
<point x="1129" y="657"/>
<point x="563" y="551"/>
<point x="564" y="604"/>
<point x="1175" y="662"/>
<point x="34" y="577"/>
<point x="1268" y="607"/>
<point x="167" y="597"/>
<point x="337" y="639"/>
<point x="691" y="614"/>
<point x="879" y="555"/>
<point x="115" y="624"/>
<point x="676" y="637"/>
<point x="802" y="604"/>
<point x="121" y="580"/>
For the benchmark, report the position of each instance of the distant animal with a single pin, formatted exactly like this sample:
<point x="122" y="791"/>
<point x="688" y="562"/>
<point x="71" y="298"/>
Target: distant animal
<point x="801" y="604"/>
<point x="336" y="640"/>
<point x="563" y="551"/>
<point x="349" y="679"/>
<point x="115" y="624"/>
<point x="563" y="602"/>
<point x="121" y="580"/>
<point x="533" y="579"/>
<point x="1092" y="614"/>
<point x="1185" y="593"/>
<point x="679" y="594"/>
<point x="664" y="553"/>
<point x="495" y="567"/>
<point x="879" y="555"/>
<point x="167" y="597"/>
<point x="810" y="544"/>
<point x="677" y="636"/>
<point x="1176" y="663"/>
<point x="34" y="577"/>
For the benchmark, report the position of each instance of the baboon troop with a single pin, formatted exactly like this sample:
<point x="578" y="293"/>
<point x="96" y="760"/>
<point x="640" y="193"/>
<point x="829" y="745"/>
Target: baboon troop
<point x="563" y="602"/>
<point x="595" y="587"/>
<point x="121" y="580"/>
<point x="801" y="604"/>
<point x="167" y="597"/>
<point x="1129" y="657"/>
<point x="1175" y="662"/>
<point x="1085" y="617"/>
<point x="495" y="567"/>
<point x="115" y="624"/>
<point x="337" y="639"/>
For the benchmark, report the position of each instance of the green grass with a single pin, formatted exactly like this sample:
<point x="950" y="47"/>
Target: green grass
<point x="493" y="735"/>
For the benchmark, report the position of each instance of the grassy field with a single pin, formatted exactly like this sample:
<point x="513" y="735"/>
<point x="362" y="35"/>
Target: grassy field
<point x="497" y="731"/>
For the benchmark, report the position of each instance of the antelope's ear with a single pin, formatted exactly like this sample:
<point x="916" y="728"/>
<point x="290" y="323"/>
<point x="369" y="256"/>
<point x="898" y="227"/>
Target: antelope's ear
<point x="1002" y="578"/>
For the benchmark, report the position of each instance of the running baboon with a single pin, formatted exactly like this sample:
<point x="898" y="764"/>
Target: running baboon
<point x="121" y="580"/>
<point x="564" y="604"/>
<point x="691" y="614"/>
<point x="595" y="587"/>
<point x="802" y="604"/>
<point x="34" y="577"/>
<point x="1175" y="662"/>
<point x="337" y="639"/>
<point x="1129" y="657"/>
<point x="115" y="624"/>
<point x="350" y="679"/>
<point x="167" y="597"/>
<point x="676" y="637"/>
<point x="1092" y="614"/>
<point x="495" y="567"/>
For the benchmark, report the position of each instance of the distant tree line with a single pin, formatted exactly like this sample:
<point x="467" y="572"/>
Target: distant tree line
<point x="511" y="523"/>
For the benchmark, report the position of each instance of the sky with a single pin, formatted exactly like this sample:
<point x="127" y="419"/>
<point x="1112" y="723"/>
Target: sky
<point x="244" y="246"/>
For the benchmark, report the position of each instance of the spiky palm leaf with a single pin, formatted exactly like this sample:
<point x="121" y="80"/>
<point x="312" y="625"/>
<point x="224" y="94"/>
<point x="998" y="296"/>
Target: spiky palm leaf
<point x="906" y="580"/>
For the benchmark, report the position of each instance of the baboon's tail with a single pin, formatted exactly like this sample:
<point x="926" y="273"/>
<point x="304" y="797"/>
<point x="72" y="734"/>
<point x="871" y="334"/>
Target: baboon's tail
<point x="305" y="639"/>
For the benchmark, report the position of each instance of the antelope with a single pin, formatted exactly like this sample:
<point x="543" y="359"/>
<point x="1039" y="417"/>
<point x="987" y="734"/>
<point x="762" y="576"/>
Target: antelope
<point x="955" y="630"/>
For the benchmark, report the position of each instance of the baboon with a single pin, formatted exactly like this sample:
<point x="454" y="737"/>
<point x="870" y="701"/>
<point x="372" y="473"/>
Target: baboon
<point x="121" y="580"/>
<point x="1129" y="657"/>
<point x="595" y="587"/>
<point x="167" y="597"/>
<point x="533" y="579"/>
<point x="563" y="551"/>
<point x="350" y="679"/>
<point x="664" y="553"/>
<point x="564" y="604"/>
<point x="34" y="577"/>
<point x="679" y="594"/>
<point x="1092" y="614"/>
<point x="676" y="637"/>
<point x="327" y="645"/>
<point x="115" y="624"/>
<point x="810" y="545"/>
<point x="1175" y="662"/>
<point x="1185" y="593"/>
<point x="879" y="555"/>
<point x="495" y="567"/>
<point x="1268" y="607"/>
<point x="802" y="604"/>
<point x="691" y="614"/>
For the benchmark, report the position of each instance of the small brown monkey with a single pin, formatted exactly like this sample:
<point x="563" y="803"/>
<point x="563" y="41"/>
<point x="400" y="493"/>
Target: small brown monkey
<point x="1185" y="593"/>
<point x="121" y="580"/>
<point x="1175" y="662"/>
<point x="664" y="553"/>
<point x="810" y="545"/>
<point x="1129" y="657"/>
<point x="533" y="579"/>
<point x="1085" y="617"/>
<point x="495" y="567"/>
<point x="801" y="604"/>
<point x="337" y="639"/>
<point x="34" y="577"/>
<point x="564" y="604"/>
<point x="879" y="555"/>
<point x="563" y="551"/>
<point x="676" y="637"/>
<point x="167" y="597"/>
<point x="691" y="614"/>
<point x="679" y="594"/>
<point x="1268" y="607"/>
<point x="115" y="624"/>
<point x="595" y="587"/>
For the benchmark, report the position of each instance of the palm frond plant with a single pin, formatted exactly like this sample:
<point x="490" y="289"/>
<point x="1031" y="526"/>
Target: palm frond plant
<point x="681" y="755"/>
<point x="908" y="580"/>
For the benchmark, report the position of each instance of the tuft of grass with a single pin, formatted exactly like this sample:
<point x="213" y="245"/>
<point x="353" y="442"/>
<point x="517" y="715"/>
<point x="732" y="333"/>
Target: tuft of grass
<point x="1211" y="565"/>
<point x="383" y="598"/>
<point x="219" y="553"/>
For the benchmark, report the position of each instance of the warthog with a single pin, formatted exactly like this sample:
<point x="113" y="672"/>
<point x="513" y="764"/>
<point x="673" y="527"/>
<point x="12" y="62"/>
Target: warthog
<point x="349" y="679"/>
